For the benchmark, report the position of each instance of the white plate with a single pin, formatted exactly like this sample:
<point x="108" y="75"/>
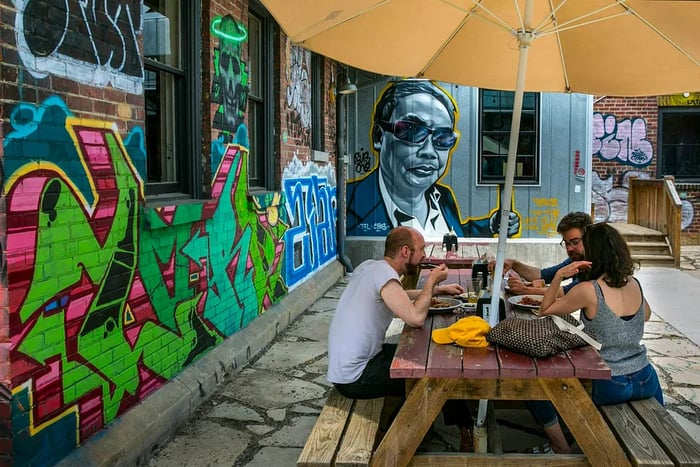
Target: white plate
<point x="451" y="303"/>
<point x="516" y="300"/>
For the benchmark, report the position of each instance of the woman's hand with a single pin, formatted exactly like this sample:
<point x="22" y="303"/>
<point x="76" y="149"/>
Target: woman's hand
<point x="570" y="270"/>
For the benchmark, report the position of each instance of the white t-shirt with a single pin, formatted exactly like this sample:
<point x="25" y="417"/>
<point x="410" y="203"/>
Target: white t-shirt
<point x="360" y="322"/>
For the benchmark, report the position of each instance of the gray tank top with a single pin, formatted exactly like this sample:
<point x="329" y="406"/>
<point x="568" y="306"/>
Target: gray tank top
<point x="621" y="338"/>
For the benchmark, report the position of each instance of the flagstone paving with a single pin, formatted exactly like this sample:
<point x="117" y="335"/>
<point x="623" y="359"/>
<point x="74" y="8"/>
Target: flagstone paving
<point x="262" y="415"/>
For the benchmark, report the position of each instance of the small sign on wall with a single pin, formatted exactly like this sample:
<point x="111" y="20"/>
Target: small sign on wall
<point x="319" y="156"/>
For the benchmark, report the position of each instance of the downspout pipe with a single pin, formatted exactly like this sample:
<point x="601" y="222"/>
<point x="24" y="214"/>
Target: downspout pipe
<point x="340" y="164"/>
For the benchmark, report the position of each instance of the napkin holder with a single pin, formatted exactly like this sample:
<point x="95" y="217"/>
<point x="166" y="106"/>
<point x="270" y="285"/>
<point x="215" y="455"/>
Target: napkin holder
<point x="449" y="241"/>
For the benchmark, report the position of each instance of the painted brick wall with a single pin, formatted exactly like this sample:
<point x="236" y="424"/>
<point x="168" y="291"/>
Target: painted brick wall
<point x="106" y="296"/>
<point x="625" y="143"/>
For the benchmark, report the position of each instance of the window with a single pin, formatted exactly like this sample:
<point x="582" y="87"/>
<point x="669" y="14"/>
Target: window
<point x="170" y="37"/>
<point x="496" y="110"/>
<point x="679" y="143"/>
<point x="260" y="100"/>
<point x="317" y="123"/>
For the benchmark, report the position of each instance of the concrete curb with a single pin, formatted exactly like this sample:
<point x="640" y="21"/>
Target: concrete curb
<point x="132" y="438"/>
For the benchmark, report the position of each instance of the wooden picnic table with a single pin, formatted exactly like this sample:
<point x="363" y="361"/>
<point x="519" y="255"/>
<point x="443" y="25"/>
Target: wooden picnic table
<point x="436" y="373"/>
<point x="463" y="257"/>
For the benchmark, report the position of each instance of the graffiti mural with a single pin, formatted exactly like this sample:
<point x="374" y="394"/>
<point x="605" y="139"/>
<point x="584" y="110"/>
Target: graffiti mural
<point x="310" y="241"/>
<point x="623" y="142"/>
<point x="543" y="220"/>
<point x="610" y="195"/>
<point x="687" y="214"/>
<point x="230" y="84"/>
<point x="413" y="135"/>
<point x="299" y="95"/>
<point x="110" y="299"/>
<point x="90" y="42"/>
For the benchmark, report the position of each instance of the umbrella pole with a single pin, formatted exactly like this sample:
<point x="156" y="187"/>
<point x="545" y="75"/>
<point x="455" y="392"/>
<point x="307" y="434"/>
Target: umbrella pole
<point x="507" y="192"/>
<point x="524" y="40"/>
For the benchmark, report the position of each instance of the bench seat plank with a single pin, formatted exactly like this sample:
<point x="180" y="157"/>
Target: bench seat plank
<point x="679" y="445"/>
<point x="358" y="441"/>
<point x="639" y="444"/>
<point x="324" y="439"/>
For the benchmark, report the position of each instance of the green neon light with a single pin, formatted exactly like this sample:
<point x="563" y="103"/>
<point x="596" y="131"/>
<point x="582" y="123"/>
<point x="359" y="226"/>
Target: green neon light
<point x="240" y="37"/>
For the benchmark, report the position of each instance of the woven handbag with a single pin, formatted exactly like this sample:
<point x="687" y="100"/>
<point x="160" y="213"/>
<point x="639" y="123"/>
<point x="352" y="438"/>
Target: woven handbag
<point x="541" y="337"/>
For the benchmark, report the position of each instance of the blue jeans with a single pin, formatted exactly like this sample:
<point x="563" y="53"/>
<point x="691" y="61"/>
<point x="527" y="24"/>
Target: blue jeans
<point x="638" y="385"/>
<point x="543" y="412"/>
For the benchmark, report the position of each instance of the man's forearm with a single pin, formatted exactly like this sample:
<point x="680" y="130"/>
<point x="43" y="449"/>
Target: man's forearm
<point x="526" y="271"/>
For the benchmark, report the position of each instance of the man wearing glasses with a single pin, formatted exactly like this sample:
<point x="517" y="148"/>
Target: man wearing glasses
<point x="413" y="131"/>
<point x="571" y="228"/>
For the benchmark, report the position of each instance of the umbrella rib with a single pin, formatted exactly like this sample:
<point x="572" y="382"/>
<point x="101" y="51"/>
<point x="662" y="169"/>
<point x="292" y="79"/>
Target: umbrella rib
<point x="552" y="15"/>
<point x="628" y="11"/>
<point x="559" y="45"/>
<point x="496" y="21"/>
<point x="574" y="23"/>
<point x="303" y="32"/>
<point x="662" y="35"/>
<point x="554" y="29"/>
<point x="471" y="13"/>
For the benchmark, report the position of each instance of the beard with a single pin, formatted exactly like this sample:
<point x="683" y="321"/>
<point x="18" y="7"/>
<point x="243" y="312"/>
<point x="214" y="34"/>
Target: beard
<point x="574" y="256"/>
<point x="412" y="268"/>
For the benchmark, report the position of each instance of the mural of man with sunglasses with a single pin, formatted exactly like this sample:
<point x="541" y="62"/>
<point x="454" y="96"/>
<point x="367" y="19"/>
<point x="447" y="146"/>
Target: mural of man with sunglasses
<point x="413" y="132"/>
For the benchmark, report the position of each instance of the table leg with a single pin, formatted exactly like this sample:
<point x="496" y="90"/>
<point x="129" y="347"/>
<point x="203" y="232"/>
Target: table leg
<point x="422" y="406"/>
<point x="584" y="421"/>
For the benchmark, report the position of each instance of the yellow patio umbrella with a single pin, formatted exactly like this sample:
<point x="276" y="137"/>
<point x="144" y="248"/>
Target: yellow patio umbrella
<point x="613" y="47"/>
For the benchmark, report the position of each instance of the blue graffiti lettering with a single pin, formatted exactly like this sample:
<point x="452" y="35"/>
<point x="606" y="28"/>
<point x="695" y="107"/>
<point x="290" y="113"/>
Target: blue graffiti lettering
<point x="310" y="241"/>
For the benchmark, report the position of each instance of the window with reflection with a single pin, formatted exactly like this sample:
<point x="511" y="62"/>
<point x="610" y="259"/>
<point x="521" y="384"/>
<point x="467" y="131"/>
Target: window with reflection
<point x="170" y="123"/>
<point x="496" y="115"/>
<point x="679" y="143"/>
<point x="260" y="98"/>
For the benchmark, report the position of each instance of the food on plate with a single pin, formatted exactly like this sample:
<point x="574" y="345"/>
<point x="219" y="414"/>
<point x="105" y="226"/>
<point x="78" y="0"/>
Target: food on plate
<point x="437" y="303"/>
<point x="530" y="301"/>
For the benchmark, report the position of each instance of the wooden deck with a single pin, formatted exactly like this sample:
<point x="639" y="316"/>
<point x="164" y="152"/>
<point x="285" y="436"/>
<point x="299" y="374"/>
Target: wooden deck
<point x="632" y="229"/>
<point x="648" y="246"/>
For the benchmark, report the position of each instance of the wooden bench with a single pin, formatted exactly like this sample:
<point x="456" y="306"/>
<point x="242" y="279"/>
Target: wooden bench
<point x="649" y="435"/>
<point x="344" y="434"/>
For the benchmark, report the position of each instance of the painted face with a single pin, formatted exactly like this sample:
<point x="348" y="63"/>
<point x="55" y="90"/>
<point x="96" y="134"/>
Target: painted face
<point x="415" y="145"/>
<point x="572" y="240"/>
<point x="230" y="76"/>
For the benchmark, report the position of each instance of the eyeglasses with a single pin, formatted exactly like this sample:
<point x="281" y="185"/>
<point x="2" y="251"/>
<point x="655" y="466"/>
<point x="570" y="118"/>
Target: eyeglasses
<point x="416" y="133"/>
<point x="571" y="243"/>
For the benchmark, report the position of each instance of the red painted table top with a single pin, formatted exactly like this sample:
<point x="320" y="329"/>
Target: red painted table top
<point x="417" y="356"/>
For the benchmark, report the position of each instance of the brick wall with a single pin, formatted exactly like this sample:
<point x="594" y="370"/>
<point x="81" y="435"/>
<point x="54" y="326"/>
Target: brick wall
<point x="106" y="296"/>
<point x="626" y="132"/>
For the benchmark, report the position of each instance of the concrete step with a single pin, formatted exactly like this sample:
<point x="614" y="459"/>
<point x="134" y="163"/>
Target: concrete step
<point x="655" y="260"/>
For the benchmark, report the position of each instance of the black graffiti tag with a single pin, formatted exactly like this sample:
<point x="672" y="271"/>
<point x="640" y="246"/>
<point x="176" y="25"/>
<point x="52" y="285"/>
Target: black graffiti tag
<point x="91" y="33"/>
